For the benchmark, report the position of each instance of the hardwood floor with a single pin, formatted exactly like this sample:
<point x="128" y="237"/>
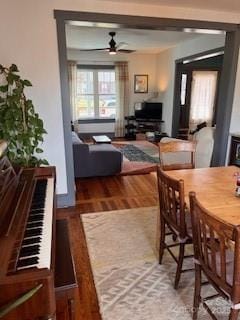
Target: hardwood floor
<point x="94" y="195"/>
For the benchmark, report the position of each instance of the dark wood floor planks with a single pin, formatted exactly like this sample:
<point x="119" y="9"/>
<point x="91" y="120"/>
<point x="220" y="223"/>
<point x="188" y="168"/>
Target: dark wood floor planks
<point x="94" y="195"/>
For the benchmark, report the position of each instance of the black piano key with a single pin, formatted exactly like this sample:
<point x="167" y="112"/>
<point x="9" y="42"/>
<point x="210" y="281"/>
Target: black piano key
<point x="34" y="224"/>
<point x="36" y="200"/>
<point x="31" y="248"/>
<point x="29" y="241"/>
<point x="39" y="199"/>
<point x="40" y="188"/>
<point x="36" y="211"/>
<point x="41" y="181"/>
<point x="33" y="233"/>
<point x="27" y="262"/>
<point x="39" y="195"/>
<point x="37" y="217"/>
<point x="30" y="251"/>
<point x="25" y="254"/>
<point x="38" y="205"/>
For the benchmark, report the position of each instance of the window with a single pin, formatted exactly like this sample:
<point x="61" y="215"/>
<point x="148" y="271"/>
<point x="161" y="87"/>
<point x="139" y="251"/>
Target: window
<point x="183" y="89"/>
<point x="96" y="93"/>
<point x="203" y="94"/>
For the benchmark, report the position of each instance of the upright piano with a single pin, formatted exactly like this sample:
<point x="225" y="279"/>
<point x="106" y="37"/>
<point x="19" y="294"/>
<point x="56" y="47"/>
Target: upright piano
<point x="28" y="243"/>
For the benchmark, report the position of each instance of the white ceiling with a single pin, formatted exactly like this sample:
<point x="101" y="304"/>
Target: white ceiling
<point x="216" y="5"/>
<point x="144" y="41"/>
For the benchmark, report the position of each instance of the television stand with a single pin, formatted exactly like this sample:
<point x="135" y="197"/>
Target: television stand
<point x="148" y="125"/>
<point x="141" y="125"/>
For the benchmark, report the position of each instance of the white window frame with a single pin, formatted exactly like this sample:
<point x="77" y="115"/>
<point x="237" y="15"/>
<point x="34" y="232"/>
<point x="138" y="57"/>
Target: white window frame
<point x="95" y="69"/>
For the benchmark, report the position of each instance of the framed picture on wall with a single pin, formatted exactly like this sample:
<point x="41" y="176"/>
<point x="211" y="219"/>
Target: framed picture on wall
<point x="140" y="83"/>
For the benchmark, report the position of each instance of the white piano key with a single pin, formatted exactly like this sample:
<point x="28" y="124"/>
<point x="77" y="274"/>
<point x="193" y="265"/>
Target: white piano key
<point x="46" y="243"/>
<point x="44" y="256"/>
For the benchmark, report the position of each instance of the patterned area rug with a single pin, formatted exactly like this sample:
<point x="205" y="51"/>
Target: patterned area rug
<point x="133" y="153"/>
<point x="130" y="283"/>
<point x="139" y="167"/>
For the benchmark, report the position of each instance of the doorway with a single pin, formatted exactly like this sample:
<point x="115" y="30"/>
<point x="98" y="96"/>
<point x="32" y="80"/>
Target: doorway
<point x="196" y="93"/>
<point x="227" y="83"/>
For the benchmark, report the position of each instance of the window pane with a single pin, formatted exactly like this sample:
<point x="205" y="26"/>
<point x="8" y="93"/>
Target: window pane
<point x="106" y="82"/>
<point x="84" y="82"/>
<point x="85" y="106"/>
<point x="183" y="89"/>
<point x="107" y="106"/>
<point x="202" y="97"/>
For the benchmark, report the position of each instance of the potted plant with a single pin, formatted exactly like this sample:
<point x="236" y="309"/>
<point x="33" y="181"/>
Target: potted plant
<point x="20" y="125"/>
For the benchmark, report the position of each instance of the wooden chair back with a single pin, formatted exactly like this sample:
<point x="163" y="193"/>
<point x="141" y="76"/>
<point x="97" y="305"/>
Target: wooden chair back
<point x="172" y="204"/>
<point x="216" y="249"/>
<point x="174" y="147"/>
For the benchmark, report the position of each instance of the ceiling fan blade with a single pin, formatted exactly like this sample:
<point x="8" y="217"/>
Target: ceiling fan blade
<point x="126" y="51"/>
<point x="113" y="47"/>
<point x="97" y="49"/>
<point x="121" y="45"/>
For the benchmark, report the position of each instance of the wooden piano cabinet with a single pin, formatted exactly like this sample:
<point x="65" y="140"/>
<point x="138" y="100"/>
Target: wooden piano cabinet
<point x="66" y="288"/>
<point x="35" y="308"/>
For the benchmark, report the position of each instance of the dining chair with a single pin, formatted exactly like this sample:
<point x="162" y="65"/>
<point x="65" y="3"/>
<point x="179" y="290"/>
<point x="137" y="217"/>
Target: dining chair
<point x="217" y="256"/>
<point x="177" y="154"/>
<point x="174" y="221"/>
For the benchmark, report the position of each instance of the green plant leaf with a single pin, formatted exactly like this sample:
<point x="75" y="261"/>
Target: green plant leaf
<point x="20" y="125"/>
<point x="4" y="88"/>
<point x="39" y="150"/>
<point x="13" y="68"/>
<point x="45" y="162"/>
<point x="27" y="83"/>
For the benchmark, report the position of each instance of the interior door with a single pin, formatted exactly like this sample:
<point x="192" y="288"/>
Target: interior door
<point x="185" y="93"/>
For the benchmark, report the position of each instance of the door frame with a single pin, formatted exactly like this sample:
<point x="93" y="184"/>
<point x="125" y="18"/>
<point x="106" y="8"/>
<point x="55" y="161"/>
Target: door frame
<point x="227" y="82"/>
<point x="177" y="84"/>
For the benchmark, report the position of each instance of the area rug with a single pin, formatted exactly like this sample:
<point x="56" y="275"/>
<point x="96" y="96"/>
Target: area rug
<point x="130" y="283"/>
<point x="133" y="153"/>
<point x="130" y="167"/>
<point x="145" y="146"/>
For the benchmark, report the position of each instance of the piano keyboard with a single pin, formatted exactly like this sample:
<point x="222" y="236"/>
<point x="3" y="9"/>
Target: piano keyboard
<point x="37" y="241"/>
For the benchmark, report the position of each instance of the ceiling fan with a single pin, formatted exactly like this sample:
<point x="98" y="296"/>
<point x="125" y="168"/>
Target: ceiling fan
<point x="113" y="46"/>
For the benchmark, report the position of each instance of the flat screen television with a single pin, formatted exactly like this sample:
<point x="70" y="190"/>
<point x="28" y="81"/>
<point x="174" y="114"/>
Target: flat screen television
<point x="149" y="110"/>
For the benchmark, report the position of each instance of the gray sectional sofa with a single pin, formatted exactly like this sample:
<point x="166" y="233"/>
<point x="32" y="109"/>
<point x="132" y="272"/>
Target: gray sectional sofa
<point x="95" y="160"/>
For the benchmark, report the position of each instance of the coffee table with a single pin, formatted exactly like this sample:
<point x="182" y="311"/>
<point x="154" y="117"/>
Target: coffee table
<point x="101" y="139"/>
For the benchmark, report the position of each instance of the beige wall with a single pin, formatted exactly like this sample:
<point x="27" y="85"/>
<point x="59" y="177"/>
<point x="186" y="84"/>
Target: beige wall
<point x="28" y="38"/>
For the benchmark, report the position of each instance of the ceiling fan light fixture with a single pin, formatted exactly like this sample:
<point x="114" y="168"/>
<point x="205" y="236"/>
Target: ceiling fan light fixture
<point x="112" y="51"/>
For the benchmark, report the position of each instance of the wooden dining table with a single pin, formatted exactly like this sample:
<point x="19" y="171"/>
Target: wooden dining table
<point x="214" y="188"/>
